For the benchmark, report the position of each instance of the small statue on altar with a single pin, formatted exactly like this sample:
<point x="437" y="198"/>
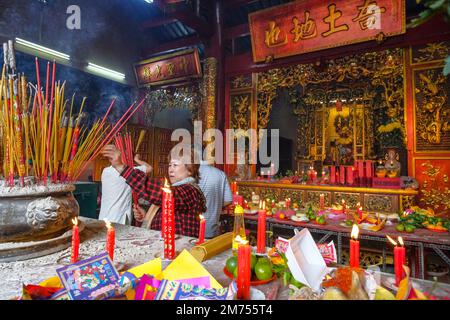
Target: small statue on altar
<point x="392" y="164"/>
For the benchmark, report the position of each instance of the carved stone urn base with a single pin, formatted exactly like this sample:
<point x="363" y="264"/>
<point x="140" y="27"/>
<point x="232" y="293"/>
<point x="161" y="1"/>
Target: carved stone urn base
<point x="36" y="214"/>
<point x="18" y="251"/>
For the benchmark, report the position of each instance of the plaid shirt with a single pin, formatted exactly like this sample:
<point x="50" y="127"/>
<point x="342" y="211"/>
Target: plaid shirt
<point x="189" y="201"/>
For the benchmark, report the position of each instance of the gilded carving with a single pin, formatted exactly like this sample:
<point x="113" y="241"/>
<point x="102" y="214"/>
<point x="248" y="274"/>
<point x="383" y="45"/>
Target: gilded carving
<point x="407" y="202"/>
<point x="313" y="86"/>
<point x="432" y="194"/>
<point x="209" y="92"/>
<point x="241" y="110"/>
<point x="246" y="192"/>
<point x="351" y="199"/>
<point x="432" y="110"/>
<point x="378" y="203"/>
<point x="296" y="196"/>
<point x="241" y="81"/>
<point x="432" y="52"/>
<point x="314" y="197"/>
<point x="187" y="97"/>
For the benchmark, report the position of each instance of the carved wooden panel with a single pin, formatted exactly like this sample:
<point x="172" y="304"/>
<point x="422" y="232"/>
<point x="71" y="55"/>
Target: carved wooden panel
<point x="243" y="81"/>
<point x="314" y="197"/>
<point x="380" y="203"/>
<point x="240" y="110"/>
<point x="430" y="52"/>
<point x="431" y="110"/>
<point x="351" y="199"/>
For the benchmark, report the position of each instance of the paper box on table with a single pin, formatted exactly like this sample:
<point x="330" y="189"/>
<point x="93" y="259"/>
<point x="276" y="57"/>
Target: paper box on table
<point x="305" y="261"/>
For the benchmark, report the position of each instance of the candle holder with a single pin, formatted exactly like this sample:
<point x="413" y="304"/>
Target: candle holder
<point x="66" y="259"/>
<point x="160" y="254"/>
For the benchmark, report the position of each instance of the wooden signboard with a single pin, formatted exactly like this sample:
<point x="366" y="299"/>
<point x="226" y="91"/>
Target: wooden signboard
<point x="169" y="68"/>
<point x="311" y="25"/>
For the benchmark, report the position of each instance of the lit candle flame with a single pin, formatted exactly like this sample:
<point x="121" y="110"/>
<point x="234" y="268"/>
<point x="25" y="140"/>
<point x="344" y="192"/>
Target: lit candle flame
<point x="391" y="240"/>
<point x="107" y="223"/>
<point x="400" y="240"/>
<point x="166" y="187"/>
<point x="260" y="204"/>
<point x="239" y="240"/>
<point x="264" y="205"/>
<point x="201" y="217"/>
<point x="237" y="192"/>
<point x="75" y="221"/>
<point x="358" y="204"/>
<point x="355" y="232"/>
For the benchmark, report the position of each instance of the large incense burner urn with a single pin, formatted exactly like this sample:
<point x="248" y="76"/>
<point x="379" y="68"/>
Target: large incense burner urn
<point x="36" y="213"/>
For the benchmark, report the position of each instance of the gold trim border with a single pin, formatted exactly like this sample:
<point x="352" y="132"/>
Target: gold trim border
<point x="328" y="188"/>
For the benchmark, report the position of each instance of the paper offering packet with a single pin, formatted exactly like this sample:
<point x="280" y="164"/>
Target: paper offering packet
<point x="328" y="252"/>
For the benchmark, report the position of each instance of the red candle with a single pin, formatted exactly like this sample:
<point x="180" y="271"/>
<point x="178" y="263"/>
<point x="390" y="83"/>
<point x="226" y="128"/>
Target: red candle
<point x="399" y="259"/>
<point x="75" y="241"/>
<point x="354" y="247"/>
<point x="360" y="169"/>
<point x="288" y="203"/>
<point x="234" y="187"/>
<point x="359" y="210"/>
<point x="369" y="172"/>
<point x="350" y="175"/>
<point x="237" y="199"/>
<point x="369" y="168"/>
<point x="322" y="202"/>
<point x="244" y="270"/>
<point x="201" y="234"/>
<point x="332" y="174"/>
<point x="342" y="174"/>
<point x="168" y="219"/>
<point x="261" y="243"/>
<point x="110" y="239"/>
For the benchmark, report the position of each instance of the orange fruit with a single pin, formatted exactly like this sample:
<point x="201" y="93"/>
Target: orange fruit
<point x="282" y="216"/>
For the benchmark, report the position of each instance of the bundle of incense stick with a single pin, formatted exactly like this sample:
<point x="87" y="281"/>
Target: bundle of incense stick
<point x="125" y="145"/>
<point x="47" y="140"/>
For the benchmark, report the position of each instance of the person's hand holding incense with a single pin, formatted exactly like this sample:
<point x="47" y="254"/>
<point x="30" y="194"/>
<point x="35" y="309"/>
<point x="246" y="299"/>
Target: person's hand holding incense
<point x="114" y="156"/>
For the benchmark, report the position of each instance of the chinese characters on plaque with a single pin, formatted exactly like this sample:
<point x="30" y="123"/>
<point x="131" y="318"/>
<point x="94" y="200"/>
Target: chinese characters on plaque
<point x="305" y="26"/>
<point x="169" y="68"/>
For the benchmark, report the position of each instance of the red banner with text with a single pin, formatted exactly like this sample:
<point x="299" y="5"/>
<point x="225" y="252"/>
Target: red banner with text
<point x="311" y="25"/>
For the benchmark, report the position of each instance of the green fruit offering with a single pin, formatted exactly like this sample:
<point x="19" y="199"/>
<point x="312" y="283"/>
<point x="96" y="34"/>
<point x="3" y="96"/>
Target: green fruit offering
<point x="253" y="262"/>
<point x="320" y="220"/>
<point x="409" y="228"/>
<point x="264" y="260"/>
<point x="263" y="271"/>
<point x="349" y="223"/>
<point x="235" y="273"/>
<point x="400" y="228"/>
<point x="231" y="264"/>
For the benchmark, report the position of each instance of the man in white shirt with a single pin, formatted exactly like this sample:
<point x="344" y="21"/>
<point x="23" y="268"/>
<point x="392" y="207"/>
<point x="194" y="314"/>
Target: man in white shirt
<point x="116" y="195"/>
<point x="214" y="185"/>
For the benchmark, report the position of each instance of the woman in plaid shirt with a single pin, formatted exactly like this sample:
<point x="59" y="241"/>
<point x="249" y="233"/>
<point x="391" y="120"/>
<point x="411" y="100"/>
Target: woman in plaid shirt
<point x="183" y="175"/>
